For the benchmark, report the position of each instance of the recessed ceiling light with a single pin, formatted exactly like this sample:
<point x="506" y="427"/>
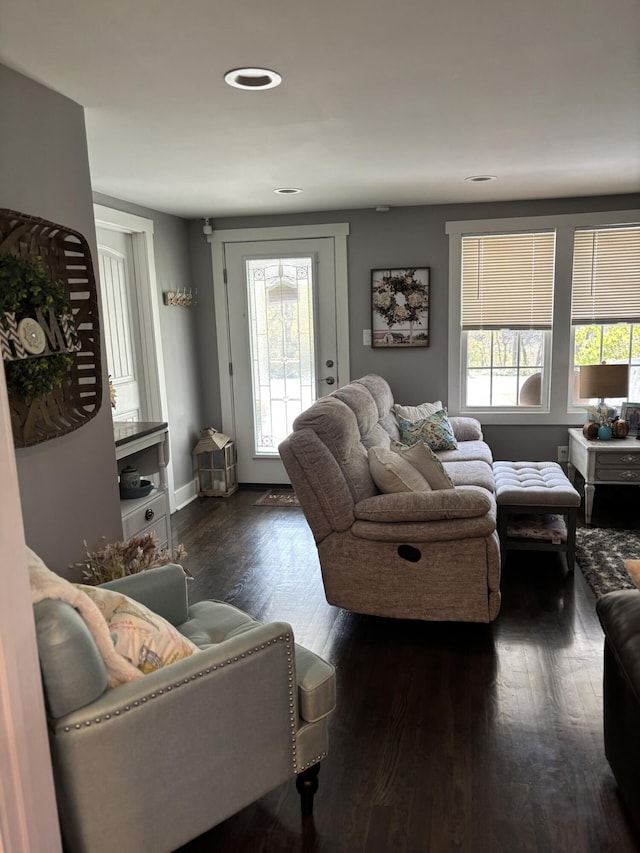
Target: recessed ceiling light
<point x="478" y="179"/>
<point x="252" y="78"/>
<point x="287" y="190"/>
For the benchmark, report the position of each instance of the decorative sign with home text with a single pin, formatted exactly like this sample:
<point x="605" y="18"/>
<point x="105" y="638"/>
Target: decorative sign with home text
<point x="49" y="328"/>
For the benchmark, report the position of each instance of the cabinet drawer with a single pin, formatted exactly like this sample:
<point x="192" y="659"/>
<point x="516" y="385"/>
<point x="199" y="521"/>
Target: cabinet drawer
<point x="144" y="513"/>
<point x="624" y="459"/>
<point x="617" y="474"/>
<point x="161" y="528"/>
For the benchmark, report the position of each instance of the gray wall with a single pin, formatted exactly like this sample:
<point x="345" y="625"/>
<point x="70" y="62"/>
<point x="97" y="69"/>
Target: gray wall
<point x="182" y="367"/>
<point x="68" y="486"/>
<point x="404" y="236"/>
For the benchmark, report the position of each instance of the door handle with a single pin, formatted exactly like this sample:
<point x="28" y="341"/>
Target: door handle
<point x="328" y="379"/>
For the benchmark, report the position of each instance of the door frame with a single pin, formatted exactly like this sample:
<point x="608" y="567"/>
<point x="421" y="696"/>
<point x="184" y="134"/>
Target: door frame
<point x="339" y="231"/>
<point x="141" y="231"/>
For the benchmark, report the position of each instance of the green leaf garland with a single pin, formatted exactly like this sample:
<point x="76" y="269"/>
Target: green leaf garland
<point x="25" y="287"/>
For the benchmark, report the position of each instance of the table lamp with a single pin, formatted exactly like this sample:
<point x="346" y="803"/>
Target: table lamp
<point x="604" y="380"/>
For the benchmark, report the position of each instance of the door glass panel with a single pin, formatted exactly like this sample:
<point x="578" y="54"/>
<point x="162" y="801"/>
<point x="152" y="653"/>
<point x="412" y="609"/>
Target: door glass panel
<point x="281" y="332"/>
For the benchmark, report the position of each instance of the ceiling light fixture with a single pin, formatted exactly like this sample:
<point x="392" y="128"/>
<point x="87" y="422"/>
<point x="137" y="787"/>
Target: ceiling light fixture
<point x="252" y="78"/>
<point x="287" y="190"/>
<point x="382" y="208"/>
<point x="478" y="179"/>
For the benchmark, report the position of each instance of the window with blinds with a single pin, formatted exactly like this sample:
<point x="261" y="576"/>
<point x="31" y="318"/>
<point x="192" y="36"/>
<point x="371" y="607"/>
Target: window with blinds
<point x="605" y="301"/>
<point x="507" y="281"/>
<point x="606" y="275"/>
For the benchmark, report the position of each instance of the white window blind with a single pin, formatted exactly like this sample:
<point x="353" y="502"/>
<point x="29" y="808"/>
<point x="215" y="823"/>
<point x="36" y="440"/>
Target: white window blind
<point x="606" y="275"/>
<point x="507" y="281"/>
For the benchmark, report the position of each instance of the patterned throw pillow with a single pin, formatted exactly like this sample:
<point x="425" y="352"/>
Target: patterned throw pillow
<point x="435" y="430"/>
<point x="145" y="639"/>
<point x="424" y="460"/>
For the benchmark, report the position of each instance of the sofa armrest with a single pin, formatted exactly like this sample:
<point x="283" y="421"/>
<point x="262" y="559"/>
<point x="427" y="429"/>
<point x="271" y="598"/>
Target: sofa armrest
<point x="466" y="429"/>
<point x="163" y="590"/>
<point x="435" y="505"/>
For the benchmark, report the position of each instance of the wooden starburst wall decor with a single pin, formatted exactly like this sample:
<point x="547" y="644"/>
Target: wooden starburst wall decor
<point x="49" y="328"/>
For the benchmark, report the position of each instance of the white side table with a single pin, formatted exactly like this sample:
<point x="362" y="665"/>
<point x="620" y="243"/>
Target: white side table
<point x="614" y="462"/>
<point x="145" y="445"/>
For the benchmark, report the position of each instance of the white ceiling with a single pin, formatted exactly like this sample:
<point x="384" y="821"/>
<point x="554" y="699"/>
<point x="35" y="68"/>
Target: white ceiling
<point x="390" y="102"/>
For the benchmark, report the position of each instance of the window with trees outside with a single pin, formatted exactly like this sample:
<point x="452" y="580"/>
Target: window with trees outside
<point x="531" y="300"/>
<point x="605" y="302"/>
<point x="507" y="315"/>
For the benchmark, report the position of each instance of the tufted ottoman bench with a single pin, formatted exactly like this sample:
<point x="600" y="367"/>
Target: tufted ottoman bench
<point x="536" y="488"/>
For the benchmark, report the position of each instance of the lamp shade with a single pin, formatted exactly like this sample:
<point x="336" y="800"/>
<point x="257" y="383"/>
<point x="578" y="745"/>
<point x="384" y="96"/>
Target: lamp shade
<point x="604" y="380"/>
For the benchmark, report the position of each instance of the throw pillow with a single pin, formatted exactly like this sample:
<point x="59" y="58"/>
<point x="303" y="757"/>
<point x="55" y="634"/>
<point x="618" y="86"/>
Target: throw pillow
<point x="435" y="430"/>
<point x="424" y="460"/>
<point x="145" y="639"/>
<point x="391" y="473"/>
<point x="416" y="413"/>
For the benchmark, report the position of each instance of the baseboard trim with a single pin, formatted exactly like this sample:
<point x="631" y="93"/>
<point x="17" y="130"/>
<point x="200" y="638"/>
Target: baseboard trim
<point x="186" y="494"/>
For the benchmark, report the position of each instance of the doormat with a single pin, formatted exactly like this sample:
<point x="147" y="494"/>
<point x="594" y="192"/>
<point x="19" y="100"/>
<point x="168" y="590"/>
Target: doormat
<point x="278" y="497"/>
<point x="601" y="555"/>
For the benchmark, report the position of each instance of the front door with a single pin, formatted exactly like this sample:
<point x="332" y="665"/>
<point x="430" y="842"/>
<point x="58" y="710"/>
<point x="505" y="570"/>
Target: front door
<point x="281" y="299"/>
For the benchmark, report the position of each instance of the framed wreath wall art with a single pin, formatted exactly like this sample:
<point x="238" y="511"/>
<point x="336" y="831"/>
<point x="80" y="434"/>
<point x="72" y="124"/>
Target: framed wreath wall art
<point x="400" y="307"/>
<point x="49" y="328"/>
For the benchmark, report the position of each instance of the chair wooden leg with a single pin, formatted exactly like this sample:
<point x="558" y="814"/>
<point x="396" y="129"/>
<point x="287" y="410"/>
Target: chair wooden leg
<point x="307" y="785"/>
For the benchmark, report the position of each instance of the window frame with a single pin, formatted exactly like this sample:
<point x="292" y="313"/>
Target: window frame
<point x="557" y="375"/>
<point x="544" y="389"/>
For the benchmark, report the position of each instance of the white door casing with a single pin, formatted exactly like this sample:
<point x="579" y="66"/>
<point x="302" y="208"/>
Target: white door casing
<point x="231" y="247"/>
<point x="121" y="324"/>
<point x="152" y="361"/>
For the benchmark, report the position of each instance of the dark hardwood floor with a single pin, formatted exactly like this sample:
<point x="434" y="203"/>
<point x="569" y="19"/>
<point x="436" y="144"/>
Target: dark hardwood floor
<point x="446" y="736"/>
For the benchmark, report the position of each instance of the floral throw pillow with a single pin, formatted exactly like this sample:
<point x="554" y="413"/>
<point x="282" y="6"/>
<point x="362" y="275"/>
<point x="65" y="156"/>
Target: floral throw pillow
<point x="435" y="430"/>
<point x="144" y="638"/>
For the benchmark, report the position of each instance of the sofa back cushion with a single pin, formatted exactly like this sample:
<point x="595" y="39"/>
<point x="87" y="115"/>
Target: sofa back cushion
<point x="382" y="395"/>
<point x="363" y="406"/>
<point x="73" y="672"/>
<point x="336" y="426"/>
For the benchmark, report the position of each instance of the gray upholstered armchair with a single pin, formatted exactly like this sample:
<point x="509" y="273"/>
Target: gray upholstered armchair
<point x="152" y="763"/>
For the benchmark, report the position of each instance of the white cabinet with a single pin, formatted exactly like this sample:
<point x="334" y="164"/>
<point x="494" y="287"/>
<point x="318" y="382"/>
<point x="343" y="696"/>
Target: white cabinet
<point x="145" y="446"/>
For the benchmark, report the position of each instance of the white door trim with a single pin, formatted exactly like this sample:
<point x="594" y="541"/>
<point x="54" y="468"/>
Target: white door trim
<point x="339" y="231"/>
<point x="141" y="231"/>
<point x="28" y="815"/>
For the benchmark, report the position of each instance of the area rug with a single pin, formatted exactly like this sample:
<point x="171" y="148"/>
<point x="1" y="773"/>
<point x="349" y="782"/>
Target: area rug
<point x="278" y="497"/>
<point x="601" y="555"/>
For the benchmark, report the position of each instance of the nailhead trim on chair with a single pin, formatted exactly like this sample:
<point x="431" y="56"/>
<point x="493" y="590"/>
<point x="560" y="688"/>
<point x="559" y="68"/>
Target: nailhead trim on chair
<point x="287" y="638"/>
<point x="282" y="638"/>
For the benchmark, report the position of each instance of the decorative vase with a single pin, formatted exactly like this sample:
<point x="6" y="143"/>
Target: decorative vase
<point x="590" y="430"/>
<point x="604" y="433"/>
<point x="620" y="429"/>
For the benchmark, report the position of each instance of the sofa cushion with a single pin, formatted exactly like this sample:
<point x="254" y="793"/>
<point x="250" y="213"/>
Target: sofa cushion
<point x="466" y="429"/>
<point x="364" y="407"/>
<point x="381" y="392"/>
<point x="416" y="413"/>
<point x="467" y="451"/>
<point x="426" y="462"/>
<point x="435" y="430"/>
<point x="391" y="473"/>
<point x="471" y="473"/>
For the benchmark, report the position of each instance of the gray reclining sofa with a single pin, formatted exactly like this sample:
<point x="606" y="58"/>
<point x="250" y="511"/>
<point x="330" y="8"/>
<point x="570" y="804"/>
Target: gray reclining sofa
<point x="431" y="555"/>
